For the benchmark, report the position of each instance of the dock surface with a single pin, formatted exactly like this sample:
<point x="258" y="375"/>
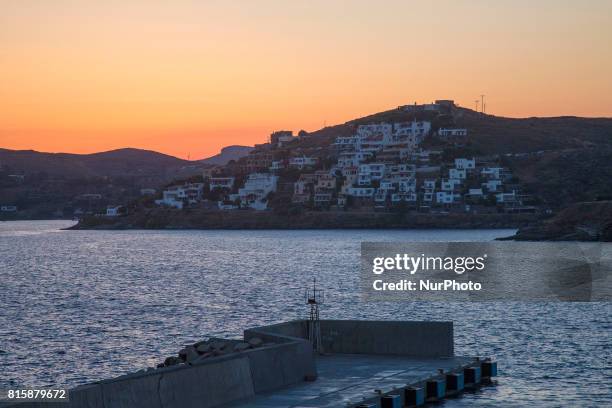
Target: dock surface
<point x="348" y="378"/>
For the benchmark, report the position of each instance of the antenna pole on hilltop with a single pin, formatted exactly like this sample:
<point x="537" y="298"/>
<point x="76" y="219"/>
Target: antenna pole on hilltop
<point x="476" y="101"/>
<point x="482" y="103"/>
<point x="314" y="298"/>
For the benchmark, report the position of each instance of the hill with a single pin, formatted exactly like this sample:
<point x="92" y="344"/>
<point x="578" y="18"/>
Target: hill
<point x="491" y="135"/>
<point x="228" y="153"/>
<point x="499" y="135"/>
<point x="121" y="162"/>
<point x="57" y="185"/>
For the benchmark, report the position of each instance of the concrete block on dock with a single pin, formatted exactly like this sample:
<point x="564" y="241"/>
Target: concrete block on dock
<point x="454" y="382"/>
<point x="414" y="396"/>
<point x="489" y="368"/>
<point x="472" y="375"/>
<point x="391" y="401"/>
<point x="416" y="339"/>
<point x="436" y="389"/>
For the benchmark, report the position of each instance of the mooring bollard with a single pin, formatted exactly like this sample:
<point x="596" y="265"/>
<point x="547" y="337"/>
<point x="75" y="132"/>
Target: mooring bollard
<point x="454" y="382"/>
<point x="472" y="375"/>
<point x="391" y="401"/>
<point x="414" y="396"/>
<point x="436" y="389"/>
<point x="489" y="368"/>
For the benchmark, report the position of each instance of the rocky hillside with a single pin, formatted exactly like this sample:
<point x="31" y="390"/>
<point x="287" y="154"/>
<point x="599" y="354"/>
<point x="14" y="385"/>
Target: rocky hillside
<point x="590" y="221"/>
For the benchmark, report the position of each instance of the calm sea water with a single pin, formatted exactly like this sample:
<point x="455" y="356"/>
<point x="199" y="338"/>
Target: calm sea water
<point x="77" y="306"/>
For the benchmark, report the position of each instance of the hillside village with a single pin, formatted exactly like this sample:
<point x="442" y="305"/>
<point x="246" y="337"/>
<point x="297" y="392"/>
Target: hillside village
<point x="430" y="159"/>
<point x="395" y="165"/>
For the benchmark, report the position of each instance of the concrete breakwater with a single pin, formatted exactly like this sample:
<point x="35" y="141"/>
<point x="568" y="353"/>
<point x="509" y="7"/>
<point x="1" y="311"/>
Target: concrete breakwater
<point x="364" y="364"/>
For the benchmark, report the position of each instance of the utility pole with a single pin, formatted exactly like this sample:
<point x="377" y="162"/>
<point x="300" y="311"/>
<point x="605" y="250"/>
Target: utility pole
<point x="482" y="104"/>
<point x="476" y="101"/>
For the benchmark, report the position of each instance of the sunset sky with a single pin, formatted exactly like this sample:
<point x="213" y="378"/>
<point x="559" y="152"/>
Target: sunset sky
<point x="188" y="77"/>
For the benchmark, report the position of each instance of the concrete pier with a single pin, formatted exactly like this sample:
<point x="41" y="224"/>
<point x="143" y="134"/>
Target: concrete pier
<point x="365" y="363"/>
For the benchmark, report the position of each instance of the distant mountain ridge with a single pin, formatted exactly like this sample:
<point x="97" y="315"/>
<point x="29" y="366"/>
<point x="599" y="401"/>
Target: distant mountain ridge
<point x="227" y="154"/>
<point x="120" y="162"/>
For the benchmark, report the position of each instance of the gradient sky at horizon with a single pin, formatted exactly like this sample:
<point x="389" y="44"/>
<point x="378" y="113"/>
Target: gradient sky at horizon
<point x="189" y="77"/>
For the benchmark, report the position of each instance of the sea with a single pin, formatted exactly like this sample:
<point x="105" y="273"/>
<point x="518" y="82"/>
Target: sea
<point x="79" y="306"/>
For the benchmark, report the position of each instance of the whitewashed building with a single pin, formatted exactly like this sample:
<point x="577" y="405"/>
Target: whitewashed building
<point x="277" y="165"/>
<point x="446" y="197"/>
<point x="465" y="164"/>
<point x="459" y="174"/>
<point x="114" y="211"/>
<point x="449" y="184"/>
<point x="256" y="189"/>
<point x="361" y="191"/>
<point x="178" y="196"/>
<point x="302" y="162"/>
<point x="492" y="185"/>
<point x="221" y="182"/>
<point x="492" y="172"/>
<point x="452" y="133"/>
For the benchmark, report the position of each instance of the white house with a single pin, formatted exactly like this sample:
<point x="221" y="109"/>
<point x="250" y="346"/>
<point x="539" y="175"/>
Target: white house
<point x="361" y="191"/>
<point x="450" y="184"/>
<point x="429" y="190"/>
<point x="506" y="198"/>
<point x="445" y="197"/>
<point x="492" y="172"/>
<point x="407" y="197"/>
<point x="226" y="205"/>
<point x="492" y="185"/>
<point x="113" y="211"/>
<point x="353" y="159"/>
<point x="277" y="165"/>
<point x="458" y="174"/>
<point x="450" y="133"/>
<point x="406" y="185"/>
<point x="177" y="196"/>
<point x="221" y="182"/>
<point x="322" y="198"/>
<point x="375" y="171"/>
<point x="343" y="142"/>
<point x="255" y="190"/>
<point x="429" y="184"/>
<point x="401" y="170"/>
<point x="301" y="191"/>
<point x="463" y="163"/>
<point x="302" y="162"/>
<point x="410" y="133"/>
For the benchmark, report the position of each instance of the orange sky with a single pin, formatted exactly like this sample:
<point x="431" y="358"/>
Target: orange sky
<point x="188" y="77"/>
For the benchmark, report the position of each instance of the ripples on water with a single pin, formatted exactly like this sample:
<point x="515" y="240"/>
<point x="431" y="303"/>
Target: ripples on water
<point x="77" y="306"/>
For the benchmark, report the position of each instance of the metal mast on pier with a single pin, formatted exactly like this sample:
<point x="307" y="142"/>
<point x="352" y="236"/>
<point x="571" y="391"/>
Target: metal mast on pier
<point x="314" y="298"/>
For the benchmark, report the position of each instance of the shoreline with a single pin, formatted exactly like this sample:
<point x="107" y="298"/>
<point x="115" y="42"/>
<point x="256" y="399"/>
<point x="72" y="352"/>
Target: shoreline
<point x="156" y="219"/>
